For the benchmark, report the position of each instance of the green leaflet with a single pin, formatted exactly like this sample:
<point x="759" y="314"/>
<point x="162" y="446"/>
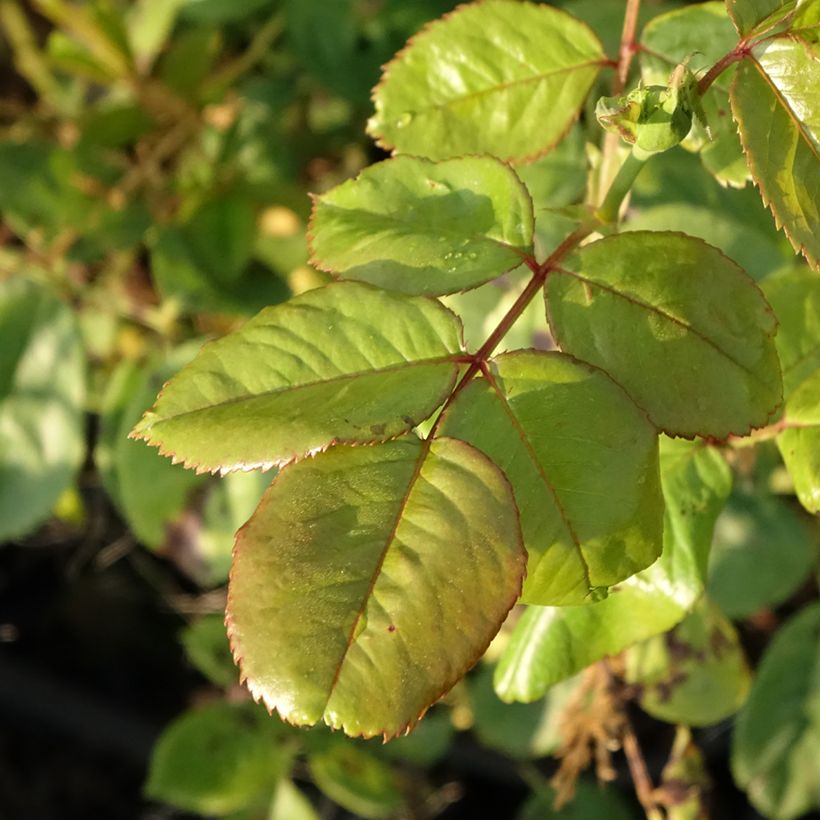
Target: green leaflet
<point x="354" y="592"/>
<point x="346" y="362"/>
<point x="216" y="760"/>
<point x="680" y="326"/>
<point x="763" y="551"/>
<point x="774" y="102"/>
<point x="357" y="781"/>
<point x="795" y="296"/>
<point x="701" y="34"/>
<point x="42" y="393"/>
<point x="550" y="644"/>
<point x="591" y="801"/>
<point x="421" y="227"/>
<point x="498" y="77"/>
<point x="776" y="742"/>
<point x="758" y="15"/>
<point x="696" y="674"/>
<point x="583" y="464"/>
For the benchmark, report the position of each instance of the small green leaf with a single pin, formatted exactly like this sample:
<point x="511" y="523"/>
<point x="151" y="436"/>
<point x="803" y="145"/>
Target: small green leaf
<point x="701" y="34"/>
<point x="582" y="460"/>
<point x="762" y="552"/>
<point x="421" y="227"/>
<point x="353" y="595"/>
<point x="215" y="760"/>
<point x="592" y="801"/>
<point x="290" y="804"/>
<point x="357" y="781"/>
<point x="346" y="362"/>
<point x="776" y="742"/>
<point x="755" y="16"/>
<point x="206" y="646"/>
<point x="498" y="77"/>
<point x="518" y="730"/>
<point x="218" y="12"/>
<point x="696" y="674"/>
<point x="42" y="393"/>
<point x="795" y="297"/>
<point x="550" y="644"/>
<point x="774" y="102"/>
<point x="680" y="326"/>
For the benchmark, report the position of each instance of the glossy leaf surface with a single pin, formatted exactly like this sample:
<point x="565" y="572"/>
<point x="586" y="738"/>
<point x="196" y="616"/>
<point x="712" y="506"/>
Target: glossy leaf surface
<point x="795" y="297"/>
<point x="696" y="674"/>
<point x="774" y="100"/>
<point x="421" y="227"/>
<point x="345" y="362"/>
<point x="497" y="77"/>
<point x="550" y="644"/>
<point x="776" y="742"/>
<point x="353" y="592"/>
<point x="680" y="326"/>
<point x="583" y="463"/>
<point x="42" y="389"/>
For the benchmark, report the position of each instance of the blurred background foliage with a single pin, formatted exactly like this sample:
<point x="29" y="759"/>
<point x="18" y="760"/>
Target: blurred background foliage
<point x="155" y="161"/>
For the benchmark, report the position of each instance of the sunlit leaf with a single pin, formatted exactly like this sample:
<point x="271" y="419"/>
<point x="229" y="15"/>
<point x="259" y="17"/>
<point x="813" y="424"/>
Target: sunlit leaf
<point x="42" y="390"/>
<point x="421" y="227"/>
<point x="776" y="742"/>
<point x="680" y="326"/>
<point x="550" y="644"/>
<point x="345" y="362"/>
<point x="774" y="101"/>
<point x="498" y="77"/>
<point x="582" y="460"/>
<point x="353" y="595"/>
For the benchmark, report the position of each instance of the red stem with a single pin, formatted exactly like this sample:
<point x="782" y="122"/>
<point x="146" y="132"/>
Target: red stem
<point x="628" y="45"/>
<point x="736" y="54"/>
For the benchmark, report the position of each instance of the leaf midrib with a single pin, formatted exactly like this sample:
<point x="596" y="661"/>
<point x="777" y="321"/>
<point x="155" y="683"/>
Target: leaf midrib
<point x="627" y="297"/>
<point x="522" y="434"/>
<point x="493" y="89"/>
<point x="451" y="358"/>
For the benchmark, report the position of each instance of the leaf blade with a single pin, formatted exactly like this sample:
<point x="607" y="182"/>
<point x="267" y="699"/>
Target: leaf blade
<point x="586" y="481"/>
<point x="634" y="305"/>
<point x="459" y="84"/>
<point x="420" y="227"/>
<point x="370" y="522"/>
<point x="346" y="362"/>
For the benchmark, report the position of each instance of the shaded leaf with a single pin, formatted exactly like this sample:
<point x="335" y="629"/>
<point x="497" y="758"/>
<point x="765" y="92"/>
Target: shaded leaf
<point x="550" y="644"/>
<point x="582" y="460"/>
<point x="353" y="592"/>
<point x="42" y="393"/>
<point x="591" y="802"/>
<point x="215" y="760"/>
<point x="206" y="646"/>
<point x="345" y="362"/>
<point x="774" y="102"/>
<point x="498" y="77"/>
<point x="427" y="744"/>
<point x="776" y="742"/>
<point x="680" y="326"/>
<point x="762" y="552"/>
<point x="357" y="781"/>
<point x="421" y="227"/>
<point x="290" y="804"/>
<point x="696" y="674"/>
<point x="518" y="730"/>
